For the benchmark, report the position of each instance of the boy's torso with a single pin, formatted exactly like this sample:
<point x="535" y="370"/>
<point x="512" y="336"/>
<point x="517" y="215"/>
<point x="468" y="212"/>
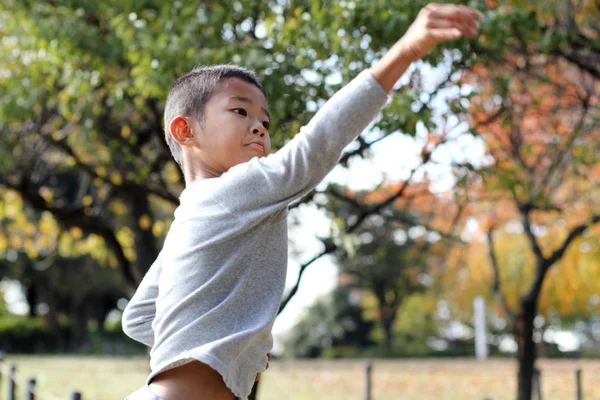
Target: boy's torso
<point x="226" y="289"/>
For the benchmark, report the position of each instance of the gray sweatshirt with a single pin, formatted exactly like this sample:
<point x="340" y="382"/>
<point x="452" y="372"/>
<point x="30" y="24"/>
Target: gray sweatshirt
<point x="213" y="293"/>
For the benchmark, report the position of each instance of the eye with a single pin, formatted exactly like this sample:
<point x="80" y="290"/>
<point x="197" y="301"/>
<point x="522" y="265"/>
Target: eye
<point x="266" y="124"/>
<point x="240" y="111"/>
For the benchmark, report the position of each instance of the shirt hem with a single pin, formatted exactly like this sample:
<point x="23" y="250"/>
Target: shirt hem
<point x="207" y="359"/>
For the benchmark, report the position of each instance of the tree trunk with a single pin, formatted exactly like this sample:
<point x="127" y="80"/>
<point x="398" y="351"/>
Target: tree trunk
<point x="388" y="338"/>
<point x="387" y="323"/>
<point x="32" y="299"/>
<point x="55" y="328"/>
<point x="526" y="348"/>
<point x="79" y="333"/>
<point x="145" y="242"/>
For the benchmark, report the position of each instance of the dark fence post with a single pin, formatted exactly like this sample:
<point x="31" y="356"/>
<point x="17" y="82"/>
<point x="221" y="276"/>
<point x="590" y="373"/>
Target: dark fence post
<point x="1" y="365"/>
<point x="368" y="371"/>
<point x="30" y="389"/>
<point x="537" y="381"/>
<point x="12" y="383"/>
<point x="578" y="383"/>
<point x="75" y="396"/>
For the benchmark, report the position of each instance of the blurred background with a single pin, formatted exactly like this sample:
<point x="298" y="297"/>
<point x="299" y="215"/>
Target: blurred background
<point x="476" y="188"/>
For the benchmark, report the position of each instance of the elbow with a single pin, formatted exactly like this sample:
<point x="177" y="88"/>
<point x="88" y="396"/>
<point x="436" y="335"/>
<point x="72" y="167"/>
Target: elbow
<point x="137" y="328"/>
<point x="126" y="324"/>
<point x="130" y="322"/>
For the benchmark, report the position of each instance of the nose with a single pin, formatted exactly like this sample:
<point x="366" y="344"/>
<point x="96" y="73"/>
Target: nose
<point x="259" y="129"/>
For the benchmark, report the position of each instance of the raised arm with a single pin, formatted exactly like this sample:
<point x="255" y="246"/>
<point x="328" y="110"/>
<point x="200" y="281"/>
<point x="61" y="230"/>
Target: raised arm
<point x="283" y="177"/>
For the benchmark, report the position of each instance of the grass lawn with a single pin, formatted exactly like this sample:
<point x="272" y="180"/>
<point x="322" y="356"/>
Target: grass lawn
<point x="112" y="378"/>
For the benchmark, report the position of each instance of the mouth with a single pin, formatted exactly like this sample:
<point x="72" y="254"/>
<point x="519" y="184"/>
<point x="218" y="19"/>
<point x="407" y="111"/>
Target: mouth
<point x="257" y="146"/>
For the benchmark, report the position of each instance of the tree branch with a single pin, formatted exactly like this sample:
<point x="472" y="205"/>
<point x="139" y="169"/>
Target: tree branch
<point x="76" y="218"/>
<point x="496" y="282"/>
<point x="595" y="72"/>
<point x="574" y="234"/>
<point x="525" y="209"/>
<point x="363" y="145"/>
<point x="126" y="187"/>
<point x="560" y="154"/>
<point x="330" y="247"/>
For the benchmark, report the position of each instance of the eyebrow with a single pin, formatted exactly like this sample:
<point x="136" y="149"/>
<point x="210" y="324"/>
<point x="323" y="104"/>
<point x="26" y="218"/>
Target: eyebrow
<point x="245" y="99"/>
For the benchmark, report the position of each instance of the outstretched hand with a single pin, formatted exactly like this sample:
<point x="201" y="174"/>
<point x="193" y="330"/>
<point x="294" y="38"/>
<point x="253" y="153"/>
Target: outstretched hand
<point x="437" y="23"/>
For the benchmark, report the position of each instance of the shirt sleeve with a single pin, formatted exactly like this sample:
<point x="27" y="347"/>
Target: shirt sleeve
<point x="285" y="176"/>
<point x="140" y="311"/>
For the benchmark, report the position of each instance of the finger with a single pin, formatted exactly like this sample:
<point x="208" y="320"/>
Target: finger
<point x="475" y="13"/>
<point x="471" y="11"/>
<point x="442" y="35"/>
<point x="257" y="377"/>
<point x="269" y="357"/>
<point x="446" y="27"/>
<point x="457" y="13"/>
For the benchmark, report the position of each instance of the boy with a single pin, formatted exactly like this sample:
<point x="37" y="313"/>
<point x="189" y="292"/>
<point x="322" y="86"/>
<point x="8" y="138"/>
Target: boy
<point x="207" y="305"/>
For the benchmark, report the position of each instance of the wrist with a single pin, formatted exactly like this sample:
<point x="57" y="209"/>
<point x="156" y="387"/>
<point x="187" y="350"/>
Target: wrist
<point x="394" y="63"/>
<point x="404" y="51"/>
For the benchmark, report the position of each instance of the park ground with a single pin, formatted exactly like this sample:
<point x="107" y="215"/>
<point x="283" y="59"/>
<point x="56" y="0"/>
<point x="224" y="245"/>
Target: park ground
<point x="110" y="378"/>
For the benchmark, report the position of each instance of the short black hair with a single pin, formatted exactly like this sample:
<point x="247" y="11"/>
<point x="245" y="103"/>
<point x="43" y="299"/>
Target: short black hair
<point x="191" y="92"/>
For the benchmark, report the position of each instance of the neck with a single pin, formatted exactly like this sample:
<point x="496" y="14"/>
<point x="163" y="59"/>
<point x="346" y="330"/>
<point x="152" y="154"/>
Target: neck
<point x="195" y="171"/>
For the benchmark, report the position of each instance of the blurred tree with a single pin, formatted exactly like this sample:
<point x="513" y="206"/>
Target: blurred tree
<point x="54" y="291"/>
<point x="568" y="290"/>
<point x="396" y="250"/>
<point x="60" y="273"/>
<point x="537" y="84"/>
<point x="331" y="324"/>
<point x="386" y="264"/>
<point x="568" y="296"/>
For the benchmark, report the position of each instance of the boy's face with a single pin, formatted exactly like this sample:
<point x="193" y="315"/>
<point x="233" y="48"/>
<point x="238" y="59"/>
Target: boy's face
<point x="234" y="128"/>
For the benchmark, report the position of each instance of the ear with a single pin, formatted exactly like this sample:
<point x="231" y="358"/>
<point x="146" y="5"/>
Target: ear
<point x="181" y="130"/>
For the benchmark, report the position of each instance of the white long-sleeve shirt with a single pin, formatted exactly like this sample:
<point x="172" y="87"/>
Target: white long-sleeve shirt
<point x="214" y="291"/>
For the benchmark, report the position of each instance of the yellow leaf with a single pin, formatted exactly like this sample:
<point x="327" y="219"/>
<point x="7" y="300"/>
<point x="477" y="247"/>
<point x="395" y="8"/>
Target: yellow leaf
<point x="158" y="228"/>
<point x="76" y="232"/>
<point x="118" y="207"/>
<point x="112" y="261"/>
<point x="144" y="222"/>
<point x="15" y="241"/>
<point x="116" y="178"/>
<point x="46" y="194"/>
<point x="130" y="254"/>
<point x="32" y="252"/>
<point x="10" y="196"/>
